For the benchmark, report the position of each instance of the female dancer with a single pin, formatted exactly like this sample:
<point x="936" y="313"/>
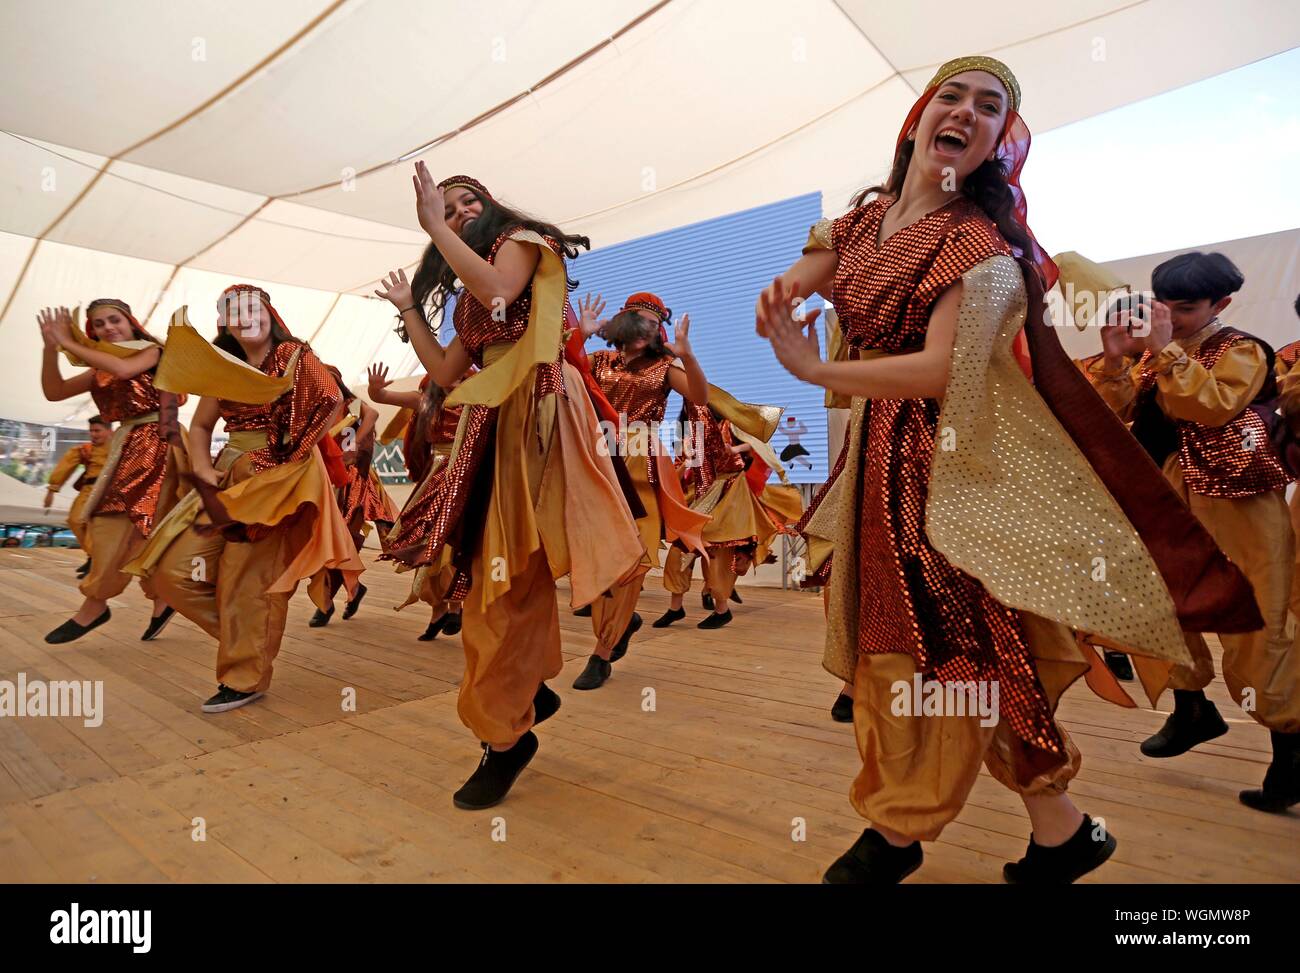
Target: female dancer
<point x="121" y="509"/>
<point x="362" y="499"/>
<point x="726" y="477"/>
<point x="527" y="496"/>
<point x="970" y="537"/>
<point x="263" y="517"/>
<point x="636" y="379"/>
<point x="427" y="426"/>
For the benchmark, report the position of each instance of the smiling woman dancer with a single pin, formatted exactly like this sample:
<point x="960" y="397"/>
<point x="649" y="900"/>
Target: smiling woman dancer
<point x="121" y="509"/>
<point x="526" y="496"/>
<point x="959" y="492"/>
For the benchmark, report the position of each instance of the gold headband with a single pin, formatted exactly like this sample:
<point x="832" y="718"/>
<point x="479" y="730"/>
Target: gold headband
<point x="978" y="62"/>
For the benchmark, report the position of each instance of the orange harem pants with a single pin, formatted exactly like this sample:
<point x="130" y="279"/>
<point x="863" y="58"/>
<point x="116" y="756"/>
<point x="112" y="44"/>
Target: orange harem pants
<point x="719" y="575"/>
<point x="76" y="519"/>
<point x="115" y="541"/>
<point x="1261" y="669"/>
<point x="611" y="613"/>
<point x="917" y="771"/>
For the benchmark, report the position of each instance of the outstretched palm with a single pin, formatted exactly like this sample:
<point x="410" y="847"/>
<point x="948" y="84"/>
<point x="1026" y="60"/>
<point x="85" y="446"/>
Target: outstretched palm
<point x="680" y="346"/>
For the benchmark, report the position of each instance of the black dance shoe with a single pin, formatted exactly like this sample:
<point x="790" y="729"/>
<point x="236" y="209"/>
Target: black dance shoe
<point x="70" y="631"/>
<point x="84" y="569"/>
<point x="594" y="676"/>
<point x="1061" y="864"/>
<point x="227" y="699"/>
<point x="668" y="617"/>
<point x="320" y="619"/>
<point x="874" y="861"/>
<point x="435" y="627"/>
<point x="715" y="620"/>
<point x="157" y="624"/>
<point x="495" y="775"/>
<point x="620" y="649"/>
<point x="545" y="703"/>
<point x="351" y="607"/>
<point x="583" y="612"/>
<point x="1119" y="664"/>
<point x="453" y="624"/>
<point x="735" y="596"/>
<point x="706" y="599"/>
<point x="1194" y="721"/>
<point x="1281" y="787"/>
<point x="842" y="711"/>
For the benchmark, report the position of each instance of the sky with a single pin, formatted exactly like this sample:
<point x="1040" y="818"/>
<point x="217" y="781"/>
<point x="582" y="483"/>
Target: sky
<point x="1216" y="160"/>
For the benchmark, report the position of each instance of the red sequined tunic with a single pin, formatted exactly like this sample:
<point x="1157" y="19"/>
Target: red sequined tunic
<point x="137" y="478"/>
<point x="451" y="507"/>
<point x="910" y="598"/>
<point x="361" y="499"/>
<point x="640" y="393"/>
<point x="715" y="459"/>
<point x="295" y="422"/>
<point x="433" y="424"/>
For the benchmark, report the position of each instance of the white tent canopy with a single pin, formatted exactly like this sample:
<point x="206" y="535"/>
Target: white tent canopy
<point x="155" y="151"/>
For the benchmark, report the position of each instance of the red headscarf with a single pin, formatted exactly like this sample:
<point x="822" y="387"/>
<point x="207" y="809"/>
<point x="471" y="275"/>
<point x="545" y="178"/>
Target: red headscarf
<point x="645" y="301"/>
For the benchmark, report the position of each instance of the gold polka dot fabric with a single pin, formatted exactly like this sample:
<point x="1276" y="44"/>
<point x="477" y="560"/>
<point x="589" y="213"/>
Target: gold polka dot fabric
<point x="640" y="393"/>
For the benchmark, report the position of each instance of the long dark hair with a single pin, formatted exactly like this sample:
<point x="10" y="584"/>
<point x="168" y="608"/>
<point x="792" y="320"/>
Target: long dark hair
<point x="626" y="326"/>
<point x="986" y="187"/>
<point x="229" y="343"/>
<point x="434" y="280"/>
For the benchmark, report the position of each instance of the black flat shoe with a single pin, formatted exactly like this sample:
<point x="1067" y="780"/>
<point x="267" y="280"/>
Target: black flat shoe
<point x="583" y="612"/>
<point x="668" y="617"/>
<point x="320" y="618"/>
<point x="545" y="703"/>
<point x="435" y="626"/>
<point x="70" y="631"/>
<point x="1119" y="664"/>
<point x="620" y="649"/>
<point x="706" y="599"/>
<point x="227" y="699"/>
<point x="496" y="773"/>
<point x="874" y="861"/>
<point x="842" y="711"/>
<point x="351" y="607"/>
<point x="1194" y="721"/>
<point x="84" y="569"/>
<point x="1281" y="788"/>
<point x="453" y="624"/>
<point x="715" y="620"/>
<point x="735" y="596"/>
<point x="157" y="624"/>
<point x="594" y="676"/>
<point x="1061" y="864"/>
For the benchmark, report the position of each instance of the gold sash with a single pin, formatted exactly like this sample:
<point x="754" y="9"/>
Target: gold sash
<point x="192" y="364"/>
<point x="115" y="446"/>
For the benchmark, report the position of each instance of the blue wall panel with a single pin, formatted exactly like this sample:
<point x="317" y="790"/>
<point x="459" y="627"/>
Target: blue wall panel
<point x="714" y="271"/>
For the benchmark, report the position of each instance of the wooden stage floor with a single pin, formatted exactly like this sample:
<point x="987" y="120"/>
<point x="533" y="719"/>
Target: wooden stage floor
<point x="705" y="788"/>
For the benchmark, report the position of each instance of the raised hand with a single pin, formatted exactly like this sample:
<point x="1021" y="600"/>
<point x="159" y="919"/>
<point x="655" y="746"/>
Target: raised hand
<point x="590" y="321"/>
<point x="790" y="329"/>
<point x="396" y="289"/>
<point x="45" y="319"/>
<point x="430" y="204"/>
<point x="680" y="346"/>
<point x="1118" y="340"/>
<point x="377" y="380"/>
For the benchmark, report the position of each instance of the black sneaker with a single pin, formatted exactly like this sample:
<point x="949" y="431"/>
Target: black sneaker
<point x="594" y="676"/>
<point x="715" y="620"/>
<point x="583" y="612"/>
<point x="84" y="569"/>
<point x="668" y="617"/>
<point x="1194" y="721"/>
<point x="545" y="703"/>
<point x="1281" y="788"/>
<point x="842" y="711"/>
<point x="320" y="619"/>
<point x="157" y="624"/>
<point x="620" y="649"/>
<point x="1061" y="864"/>
<point x="228" y="699"/>
<point x="874" y="861"/>
<point x="706" y="599"/>
<point x="70" y="631"/>
<point x="496" y="773"/>
<point x="453" y="624"/>
<point x="1119" y="664"/>
<point x="351" y="607"/>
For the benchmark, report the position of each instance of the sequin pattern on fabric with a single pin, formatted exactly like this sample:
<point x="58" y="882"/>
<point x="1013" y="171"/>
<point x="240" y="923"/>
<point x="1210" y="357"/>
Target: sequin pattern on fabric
<point x="138" y="476"/>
